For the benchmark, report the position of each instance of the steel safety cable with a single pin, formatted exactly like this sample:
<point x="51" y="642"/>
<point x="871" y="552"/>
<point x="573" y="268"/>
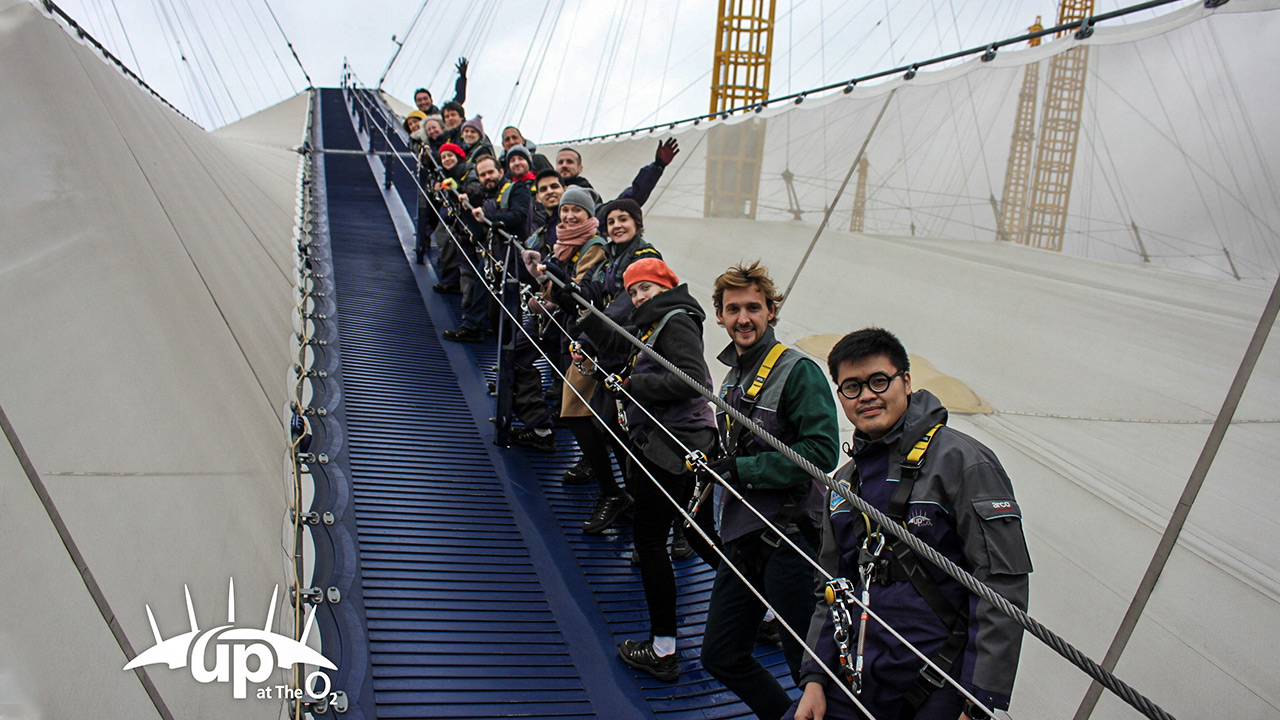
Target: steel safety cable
<point x="209" y="105"/>
<point x="839" y="193"/>
<point x="690" y="455"/>
<point x="560" y="74"/>
<point x="684" y="377"/>
<point x="404" y="39"/>
<point x="235" y="38"/>
<point x="692" y="524"/>
<point x="600" y="66"/>
<point x="535" y="38"/>
<point x="128" y="43"/>
<point x="217" y="70"/>
<point x="257" y="19"/>
<point x="679" y="508"/>
<point x="1061" y="646"/>
<point x="1218" y="128"/>
<point x="891" y="72"/>
<point x="296" y="59"/>
<point x="527" y="91"/>
<point x="1251" y="131"/>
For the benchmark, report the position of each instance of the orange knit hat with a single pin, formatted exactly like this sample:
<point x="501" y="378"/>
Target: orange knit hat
<point x="651" y="269"/>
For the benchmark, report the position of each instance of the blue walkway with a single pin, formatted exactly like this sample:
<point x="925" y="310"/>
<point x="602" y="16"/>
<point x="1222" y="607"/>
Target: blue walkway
<point x="481" y="596"/>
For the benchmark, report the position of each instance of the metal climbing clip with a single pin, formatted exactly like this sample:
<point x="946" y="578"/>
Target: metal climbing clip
<point x="837" y="594"/>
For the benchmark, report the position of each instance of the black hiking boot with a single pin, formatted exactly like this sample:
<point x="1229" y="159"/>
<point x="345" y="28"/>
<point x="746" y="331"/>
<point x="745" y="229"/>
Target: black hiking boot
<point x="579" y="474"/>
<point x="528" y="438"/>
<point x="608" y="509"/>
<point x="640" y="655"/>
<point x="769" y="633"/>
<point x="464" y="334"/>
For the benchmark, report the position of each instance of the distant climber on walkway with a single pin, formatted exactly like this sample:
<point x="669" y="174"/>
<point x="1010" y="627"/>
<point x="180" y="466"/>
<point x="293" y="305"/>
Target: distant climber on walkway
<point x="423" y="99"/>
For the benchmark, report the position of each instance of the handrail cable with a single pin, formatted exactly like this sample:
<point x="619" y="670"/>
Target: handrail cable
<point x="53" y="9"/>
<point x="286" y="42"/>
<point x="690" y="521"/>
<point x="850" y="83"/>
<point x="401" y="42"/>
<point x="1048" y="637"/>
<point x="831" y="207"/>
<point x="679" y="508"/>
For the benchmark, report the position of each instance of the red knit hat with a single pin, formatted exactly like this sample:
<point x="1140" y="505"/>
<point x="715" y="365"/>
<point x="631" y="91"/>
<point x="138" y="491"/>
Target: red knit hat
<point x="455" y="149"/>
<point x="651" y="269"/>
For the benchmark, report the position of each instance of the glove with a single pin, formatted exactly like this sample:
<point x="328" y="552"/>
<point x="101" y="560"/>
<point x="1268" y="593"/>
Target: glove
<point x="531" y="258"/>
<point x="462" y="66"/>
<point x="562" y="292"/>
<point x="667" y="152"/>
<point x="725" y="467"/>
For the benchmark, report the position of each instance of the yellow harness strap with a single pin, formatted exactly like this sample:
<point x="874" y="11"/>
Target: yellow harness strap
<point x="765" y="368"/>
<point x="917" y="453"/>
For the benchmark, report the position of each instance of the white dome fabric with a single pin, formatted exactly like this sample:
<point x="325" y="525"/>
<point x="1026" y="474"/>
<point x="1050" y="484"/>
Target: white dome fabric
<point x="1105" y="375"/>
<point x="145" y="302"/>
<point x="146" y="296"/>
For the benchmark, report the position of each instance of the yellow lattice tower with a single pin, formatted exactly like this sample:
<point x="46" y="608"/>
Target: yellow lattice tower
<point x="739" y="78"/>
<point x="1017" y="176"/>
<point x="1059" y="136"/>
<point x="859" y="219"/>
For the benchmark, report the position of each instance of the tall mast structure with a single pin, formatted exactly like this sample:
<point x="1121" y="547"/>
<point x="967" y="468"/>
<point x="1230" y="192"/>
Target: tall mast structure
<point x="739" y="78"/>
<point x="1059" y="137"/>
<point x="857" y="222"/>
<point x="1017" y="176"/>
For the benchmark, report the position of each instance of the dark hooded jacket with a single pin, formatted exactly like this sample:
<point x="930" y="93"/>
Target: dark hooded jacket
<point x="962" y="505"/>
<point x="670" y="323"/>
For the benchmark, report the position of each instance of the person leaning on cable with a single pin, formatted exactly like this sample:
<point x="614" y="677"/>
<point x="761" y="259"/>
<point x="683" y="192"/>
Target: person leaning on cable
<point x="787" y="394"/>
<point x="948" y="490"/>
<point x="668" y="320"/>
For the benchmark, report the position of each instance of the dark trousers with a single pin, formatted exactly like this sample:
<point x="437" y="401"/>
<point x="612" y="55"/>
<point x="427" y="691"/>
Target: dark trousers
<point x="528" y="400"/>
<point x="595" y="446"/>
<point x="654" y="515"/>
<point x="449" y="258"/>
<point x="945" y="703"/>
<point x="786" y="579"/>
<point x="475" y="296"/>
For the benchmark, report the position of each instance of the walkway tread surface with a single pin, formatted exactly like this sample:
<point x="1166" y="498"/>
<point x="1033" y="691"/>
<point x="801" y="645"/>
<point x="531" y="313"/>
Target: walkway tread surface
<point x="483" y="597"/>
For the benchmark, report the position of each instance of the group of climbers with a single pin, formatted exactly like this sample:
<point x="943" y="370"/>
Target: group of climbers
<point x="583" y="259"/>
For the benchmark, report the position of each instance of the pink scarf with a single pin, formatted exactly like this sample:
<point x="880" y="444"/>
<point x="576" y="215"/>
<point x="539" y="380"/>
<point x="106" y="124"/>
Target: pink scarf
<point x="569" y="239"/>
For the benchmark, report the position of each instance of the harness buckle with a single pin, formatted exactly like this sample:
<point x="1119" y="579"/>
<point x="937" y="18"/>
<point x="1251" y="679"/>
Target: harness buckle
<point x="931" y="676"/>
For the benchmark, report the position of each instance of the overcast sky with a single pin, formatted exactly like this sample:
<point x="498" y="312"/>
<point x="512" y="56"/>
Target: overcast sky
<point x="582" y="67"/>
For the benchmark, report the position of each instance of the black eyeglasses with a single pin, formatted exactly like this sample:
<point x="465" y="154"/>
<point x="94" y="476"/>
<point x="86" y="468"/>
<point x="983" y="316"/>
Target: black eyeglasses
<point x="878" y="382"/>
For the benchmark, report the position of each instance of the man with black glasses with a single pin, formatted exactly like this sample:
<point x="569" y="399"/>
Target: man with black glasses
<point x="946" y="489"/>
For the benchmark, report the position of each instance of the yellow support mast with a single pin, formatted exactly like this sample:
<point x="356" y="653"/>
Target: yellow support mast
<point x="858" y="221"/>
<point x="1059" y="137"/>
<point x="739" y="78"/>
<point x="1017" y="176"/>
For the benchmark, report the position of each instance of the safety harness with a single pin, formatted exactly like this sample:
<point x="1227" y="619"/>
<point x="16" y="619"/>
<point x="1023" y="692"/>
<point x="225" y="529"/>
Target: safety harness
<point x="875" y="565"/>
<point x="788" y="512"/>
<point x="614" y="382"/>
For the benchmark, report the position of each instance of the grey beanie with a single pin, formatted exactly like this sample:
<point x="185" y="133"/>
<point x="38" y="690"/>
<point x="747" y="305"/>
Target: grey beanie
<point x="518" y="150"/>
<point x="579" y="196"/>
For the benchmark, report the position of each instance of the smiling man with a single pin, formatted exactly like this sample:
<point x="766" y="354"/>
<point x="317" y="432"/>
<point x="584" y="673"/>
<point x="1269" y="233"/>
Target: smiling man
<point x="786" y="394"/>
<point x="948" y="490"/>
